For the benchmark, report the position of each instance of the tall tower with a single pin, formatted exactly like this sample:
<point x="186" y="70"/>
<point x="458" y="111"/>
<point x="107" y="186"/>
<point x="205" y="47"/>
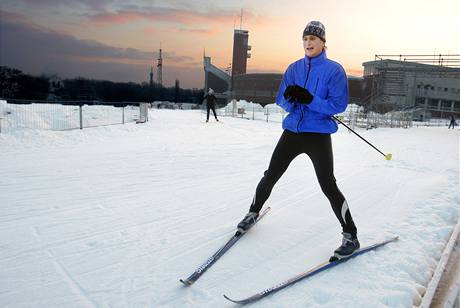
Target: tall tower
<point x="160" y="69"/>
<point x="150" y="90"/>
<point x="151" y="76"/>
<point x="176" y="91"/>
<point x="240" y="52"/>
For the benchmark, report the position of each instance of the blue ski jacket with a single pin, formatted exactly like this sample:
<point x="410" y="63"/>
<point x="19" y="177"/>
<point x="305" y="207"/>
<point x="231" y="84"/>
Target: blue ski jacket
<point x="327" y="82"/>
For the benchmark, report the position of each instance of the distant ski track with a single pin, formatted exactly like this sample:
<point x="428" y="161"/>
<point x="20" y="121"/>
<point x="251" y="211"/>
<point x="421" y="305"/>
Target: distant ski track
<point x="65" y="274"/>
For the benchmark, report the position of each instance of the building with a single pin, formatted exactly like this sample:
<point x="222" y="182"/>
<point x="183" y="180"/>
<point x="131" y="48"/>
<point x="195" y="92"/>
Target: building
<point x="240" y="52"/>
<point x="260" y="88"/>
<point x="431" y="89"/>
<point x="216" y="79"/>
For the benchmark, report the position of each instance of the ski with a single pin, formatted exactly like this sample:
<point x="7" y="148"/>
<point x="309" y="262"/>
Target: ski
<point x="309" y="273"/>
<point x="219" y="253"/>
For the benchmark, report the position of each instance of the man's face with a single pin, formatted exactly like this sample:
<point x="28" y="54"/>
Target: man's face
<point x="312" y="45"/>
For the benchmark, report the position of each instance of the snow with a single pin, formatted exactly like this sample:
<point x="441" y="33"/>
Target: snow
<point x="114" y="216"/>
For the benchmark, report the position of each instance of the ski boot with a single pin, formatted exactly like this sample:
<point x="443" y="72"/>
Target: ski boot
<point x="350" y="245"/>
<point x="248" y="221"/>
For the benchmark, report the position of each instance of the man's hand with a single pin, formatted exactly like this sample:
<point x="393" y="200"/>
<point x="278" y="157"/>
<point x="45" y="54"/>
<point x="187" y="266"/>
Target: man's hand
<point x="298" y="94"/>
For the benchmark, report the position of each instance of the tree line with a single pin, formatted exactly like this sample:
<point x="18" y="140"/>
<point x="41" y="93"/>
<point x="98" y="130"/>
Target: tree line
<point x="14" y="84"/>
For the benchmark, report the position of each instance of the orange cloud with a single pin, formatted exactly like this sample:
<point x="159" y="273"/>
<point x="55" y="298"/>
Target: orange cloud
<point x="122" y="18"/>
<point x="149" y="30"/>
<point x="173" y="61"/>
<point x="168" y="15"/>
<point x="104" y="59"/>
<point x="204" y="32"/>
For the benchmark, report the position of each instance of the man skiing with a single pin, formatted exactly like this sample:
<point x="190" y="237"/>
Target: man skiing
<point x="210" y="104"/>
<point x="452" y="122"/>
<point x="313" y="89"/>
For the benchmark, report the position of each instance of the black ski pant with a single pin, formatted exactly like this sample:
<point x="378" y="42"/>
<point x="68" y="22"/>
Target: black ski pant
<point x="213" y="108"/>
<point x="319" y="148"/>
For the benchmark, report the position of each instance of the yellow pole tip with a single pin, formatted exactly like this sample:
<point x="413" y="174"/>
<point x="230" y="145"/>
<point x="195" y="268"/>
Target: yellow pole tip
<point x="389" y="156"/>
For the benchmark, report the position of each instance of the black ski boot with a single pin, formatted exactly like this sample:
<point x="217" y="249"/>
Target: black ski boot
<point x="248" y="221"/>
<point x="350" y="245"/>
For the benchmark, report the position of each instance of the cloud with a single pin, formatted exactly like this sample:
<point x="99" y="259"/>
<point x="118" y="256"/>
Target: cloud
<point x="150" y="31"/>
<point x="170" y="15"/>
<point x="35" y="50"/>
<point x="46" y="4"/>
<point x="204" y="32"/>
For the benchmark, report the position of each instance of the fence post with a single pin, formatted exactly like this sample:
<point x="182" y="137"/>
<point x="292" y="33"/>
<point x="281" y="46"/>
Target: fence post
<point x="81" y="116"/>
<point x="123" y="115"/>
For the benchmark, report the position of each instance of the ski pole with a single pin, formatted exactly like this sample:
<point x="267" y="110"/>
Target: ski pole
<point x="387" y="156"/>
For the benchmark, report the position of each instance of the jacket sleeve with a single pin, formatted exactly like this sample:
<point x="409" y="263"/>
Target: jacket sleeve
<point x="280" y="100"/>
<point x="337" y="97"/>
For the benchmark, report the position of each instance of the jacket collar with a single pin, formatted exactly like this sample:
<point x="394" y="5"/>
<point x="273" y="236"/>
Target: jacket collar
<point x="321" y="58"/>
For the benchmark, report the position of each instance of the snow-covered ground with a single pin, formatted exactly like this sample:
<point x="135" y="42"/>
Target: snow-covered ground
<point x="114" y="216"/>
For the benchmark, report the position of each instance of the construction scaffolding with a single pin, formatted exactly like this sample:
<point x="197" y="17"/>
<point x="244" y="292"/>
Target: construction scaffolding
<point x="437" y="60"/>
<point x="424" y="83"/>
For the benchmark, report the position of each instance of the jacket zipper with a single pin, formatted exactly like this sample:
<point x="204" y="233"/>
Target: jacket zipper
<point x="304" y="85"/>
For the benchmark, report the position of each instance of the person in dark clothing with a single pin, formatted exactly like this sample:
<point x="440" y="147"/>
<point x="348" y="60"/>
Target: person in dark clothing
<point x="312" y="90"/>
<point x="452" y="122"/>
<point x="211" y="104"/>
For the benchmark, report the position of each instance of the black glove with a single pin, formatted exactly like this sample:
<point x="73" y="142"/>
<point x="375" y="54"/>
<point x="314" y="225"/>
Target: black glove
<point x="298" y="94"/>
<point x="288" y="93"/>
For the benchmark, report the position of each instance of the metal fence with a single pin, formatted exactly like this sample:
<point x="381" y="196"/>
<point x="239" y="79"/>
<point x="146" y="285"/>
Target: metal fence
<point x="57" y="116"/>
<point x="251" y="111"/>
<point x="354" y="115"/>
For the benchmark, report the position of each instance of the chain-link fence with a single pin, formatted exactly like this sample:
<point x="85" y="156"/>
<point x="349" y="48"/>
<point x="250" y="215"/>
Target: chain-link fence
<point x="251" y="111"/>
<point x="354" y="115"/>
<point x="57" y="116"/>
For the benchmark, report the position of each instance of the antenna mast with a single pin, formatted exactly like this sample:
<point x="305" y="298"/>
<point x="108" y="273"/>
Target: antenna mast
<point x="160" y="69"/>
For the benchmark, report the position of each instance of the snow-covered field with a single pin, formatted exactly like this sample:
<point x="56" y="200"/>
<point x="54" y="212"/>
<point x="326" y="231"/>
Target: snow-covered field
<point x="114" y="216"/>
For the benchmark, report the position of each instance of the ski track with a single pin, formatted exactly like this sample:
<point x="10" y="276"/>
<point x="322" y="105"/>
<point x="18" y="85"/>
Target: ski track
<point x="114" y="216"/>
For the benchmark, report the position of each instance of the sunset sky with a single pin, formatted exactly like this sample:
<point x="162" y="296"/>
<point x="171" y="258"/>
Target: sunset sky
<point x="119" y="40"/>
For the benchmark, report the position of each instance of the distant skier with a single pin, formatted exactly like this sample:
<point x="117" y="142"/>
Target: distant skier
<point x="210" y="104"/>
<point x="313" y="89"/>
<point x="452" y="122"/>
